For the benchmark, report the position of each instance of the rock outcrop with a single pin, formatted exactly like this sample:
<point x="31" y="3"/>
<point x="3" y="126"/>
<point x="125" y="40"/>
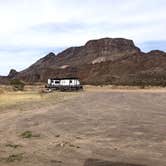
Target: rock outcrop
<point x="12" y="73"/>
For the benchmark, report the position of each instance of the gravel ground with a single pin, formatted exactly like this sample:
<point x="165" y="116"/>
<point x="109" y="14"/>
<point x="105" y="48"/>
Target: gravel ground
<point x="93" y="128"/>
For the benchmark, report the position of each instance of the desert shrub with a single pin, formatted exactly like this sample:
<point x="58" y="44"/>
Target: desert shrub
<point x="26" y="134"/>
<point x="29" y="134"/>
<point x="1" y="91"/>
<point x="17" y="84"/>
<point x="13" y="146"/>
<point x="14" y="157"/>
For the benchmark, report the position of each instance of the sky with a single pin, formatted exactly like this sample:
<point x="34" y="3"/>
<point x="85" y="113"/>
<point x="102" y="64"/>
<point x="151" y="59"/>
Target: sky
<point x="30" y="29"/>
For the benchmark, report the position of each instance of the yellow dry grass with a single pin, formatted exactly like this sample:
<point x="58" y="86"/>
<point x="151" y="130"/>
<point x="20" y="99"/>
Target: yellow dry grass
<point x="10" y="98"/>
<point x="31" y="97"/>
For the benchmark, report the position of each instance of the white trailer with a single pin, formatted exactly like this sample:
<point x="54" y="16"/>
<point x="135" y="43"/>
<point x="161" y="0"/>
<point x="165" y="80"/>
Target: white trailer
<point x="64" y="84"/>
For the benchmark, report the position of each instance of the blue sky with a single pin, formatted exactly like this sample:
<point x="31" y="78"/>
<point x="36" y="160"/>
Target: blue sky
<point x="32" y="28"/>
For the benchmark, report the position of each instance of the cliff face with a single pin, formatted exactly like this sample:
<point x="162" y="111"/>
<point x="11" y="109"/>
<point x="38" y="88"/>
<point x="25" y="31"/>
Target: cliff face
<point x="107" y="49"/>
<point x="103" y="61"/>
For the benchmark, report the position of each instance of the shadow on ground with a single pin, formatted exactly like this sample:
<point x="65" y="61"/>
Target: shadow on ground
<point x="97" y="162"/>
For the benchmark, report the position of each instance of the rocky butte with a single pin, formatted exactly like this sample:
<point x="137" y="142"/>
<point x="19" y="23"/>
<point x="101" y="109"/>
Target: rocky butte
<point x="104" y="61"/>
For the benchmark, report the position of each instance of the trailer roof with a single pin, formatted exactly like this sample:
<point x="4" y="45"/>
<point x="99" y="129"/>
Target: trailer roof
<point x="65" y="78"/>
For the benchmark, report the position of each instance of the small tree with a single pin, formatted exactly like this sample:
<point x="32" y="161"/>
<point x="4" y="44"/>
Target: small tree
<point x="17" y="85"/>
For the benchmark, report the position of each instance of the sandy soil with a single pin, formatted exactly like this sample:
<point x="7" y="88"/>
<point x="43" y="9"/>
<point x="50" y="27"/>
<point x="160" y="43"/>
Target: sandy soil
<point x="92" y="128"/>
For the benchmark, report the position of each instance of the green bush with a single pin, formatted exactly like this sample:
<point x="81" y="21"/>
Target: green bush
<point x="29" y="134"/>
<point x="17" y="85"/>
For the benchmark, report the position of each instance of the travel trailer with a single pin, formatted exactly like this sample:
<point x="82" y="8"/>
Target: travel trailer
<point x="64" y="84"/>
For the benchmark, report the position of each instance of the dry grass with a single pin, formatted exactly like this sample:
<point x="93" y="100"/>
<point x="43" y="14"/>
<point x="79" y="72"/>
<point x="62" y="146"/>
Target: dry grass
<point x="112" y="88"/>
<point x="1" y="91"/>
<point x="10" y="98"/>
<point x="36" y="96"/>
<point x="33" y="95"/>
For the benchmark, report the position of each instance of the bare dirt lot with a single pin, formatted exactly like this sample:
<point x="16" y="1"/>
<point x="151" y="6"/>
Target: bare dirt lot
<point x="96" y="127"/>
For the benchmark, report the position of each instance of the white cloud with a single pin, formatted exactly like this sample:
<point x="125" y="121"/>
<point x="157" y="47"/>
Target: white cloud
<point x="45" y="24"/>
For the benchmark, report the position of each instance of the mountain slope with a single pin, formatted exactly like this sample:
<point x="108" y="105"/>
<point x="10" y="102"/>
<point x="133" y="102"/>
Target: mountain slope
<point x="103" y="61"/>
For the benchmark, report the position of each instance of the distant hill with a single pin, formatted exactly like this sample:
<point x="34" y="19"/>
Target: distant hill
<point x="103" y="61"/>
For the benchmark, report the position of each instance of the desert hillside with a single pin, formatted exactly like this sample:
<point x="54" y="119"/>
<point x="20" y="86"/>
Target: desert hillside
<point x="105" y="61"/>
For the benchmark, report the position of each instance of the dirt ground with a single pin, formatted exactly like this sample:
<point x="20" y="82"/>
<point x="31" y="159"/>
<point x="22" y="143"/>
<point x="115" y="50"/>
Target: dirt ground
<point x="96" y="127"/>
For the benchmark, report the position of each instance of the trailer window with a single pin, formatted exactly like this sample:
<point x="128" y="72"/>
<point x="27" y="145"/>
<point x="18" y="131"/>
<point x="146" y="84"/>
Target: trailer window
<point x="70" y="81"/>
<point x="57" y="82"/>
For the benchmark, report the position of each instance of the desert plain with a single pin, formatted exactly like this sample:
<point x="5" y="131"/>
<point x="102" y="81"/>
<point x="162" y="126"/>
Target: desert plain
<point x="99" y="126"/>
